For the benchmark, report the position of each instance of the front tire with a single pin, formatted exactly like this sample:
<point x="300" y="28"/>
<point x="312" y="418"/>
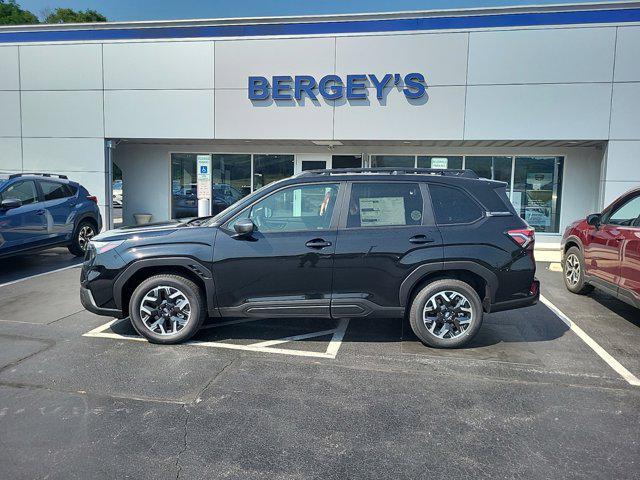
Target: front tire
<point x="573" y="272"/>
<point x="83" y="233"/>
<point x="446" y="314"/>
<point x="167" y="309"/>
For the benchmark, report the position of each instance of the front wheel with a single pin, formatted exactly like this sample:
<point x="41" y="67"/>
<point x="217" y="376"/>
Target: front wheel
<point x="446" y="314"/>
<point x="82" y="235"/>
<point x="167" y="309"/>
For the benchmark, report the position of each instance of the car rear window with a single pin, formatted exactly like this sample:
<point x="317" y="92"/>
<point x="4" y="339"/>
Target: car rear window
<point x="384" y="205"/>
<point x="453" y="206"/>
<point x="55" y="190"/>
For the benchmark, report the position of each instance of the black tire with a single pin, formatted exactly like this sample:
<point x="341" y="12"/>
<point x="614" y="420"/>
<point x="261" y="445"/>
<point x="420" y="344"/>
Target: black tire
<point x="418" y="307"/>
<point x="85" y="231"/>
<point x="191" y="291"/>
<point x="573" y="272"/>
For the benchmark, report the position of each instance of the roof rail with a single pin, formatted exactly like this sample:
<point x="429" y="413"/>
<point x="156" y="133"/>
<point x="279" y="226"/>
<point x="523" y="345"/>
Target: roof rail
<point x="24" y="174"/>
<point x="447" y="172"/>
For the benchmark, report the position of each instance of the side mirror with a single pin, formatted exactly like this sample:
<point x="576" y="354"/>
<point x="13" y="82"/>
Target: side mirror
<point x="594" y="219"/>
<point x="10" y="203"/>
<point x="244" y="226"/>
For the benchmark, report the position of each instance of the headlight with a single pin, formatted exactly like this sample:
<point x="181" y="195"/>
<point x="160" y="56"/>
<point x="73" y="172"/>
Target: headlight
<point x="103" y="247"/>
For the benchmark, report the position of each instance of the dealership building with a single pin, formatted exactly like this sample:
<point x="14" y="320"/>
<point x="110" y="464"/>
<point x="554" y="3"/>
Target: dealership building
<point x="546" y="99"/>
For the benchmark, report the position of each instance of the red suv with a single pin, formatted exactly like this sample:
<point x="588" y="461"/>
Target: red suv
<point x="603" y="251"/>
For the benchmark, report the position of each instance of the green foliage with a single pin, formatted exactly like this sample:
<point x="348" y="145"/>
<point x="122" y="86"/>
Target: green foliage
<point x="12" y="14"/>
<point x="68" y="15"/>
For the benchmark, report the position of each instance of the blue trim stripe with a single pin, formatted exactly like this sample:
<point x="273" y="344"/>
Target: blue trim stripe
<point x="315" y="28"/>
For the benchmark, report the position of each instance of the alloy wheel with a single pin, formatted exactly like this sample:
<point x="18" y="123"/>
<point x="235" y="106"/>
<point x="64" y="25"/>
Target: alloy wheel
<point x="447" y="314"/>
<point x="165" y="310"/>
<point x="85" y="234"/>
<point x="572" y="269"/>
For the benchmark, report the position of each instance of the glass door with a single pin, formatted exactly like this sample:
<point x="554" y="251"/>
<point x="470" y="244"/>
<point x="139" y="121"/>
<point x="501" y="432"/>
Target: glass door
<point x="305" y="162"/>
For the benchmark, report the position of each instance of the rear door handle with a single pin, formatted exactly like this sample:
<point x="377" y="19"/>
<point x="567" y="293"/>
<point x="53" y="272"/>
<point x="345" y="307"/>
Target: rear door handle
<point x="420" y="239"/>
<point x="40" y="212"/>
<point x="318" y="243"/>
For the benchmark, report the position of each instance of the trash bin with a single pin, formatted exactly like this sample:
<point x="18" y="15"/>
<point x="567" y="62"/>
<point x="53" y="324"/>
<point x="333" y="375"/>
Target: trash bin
<point x="142" y="218"/>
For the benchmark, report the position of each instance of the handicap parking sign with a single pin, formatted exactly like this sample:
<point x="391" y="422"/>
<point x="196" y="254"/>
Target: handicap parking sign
<point x="203" y="169"/>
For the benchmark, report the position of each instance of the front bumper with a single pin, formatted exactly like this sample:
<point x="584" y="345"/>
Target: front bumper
<point x="527" y="301"/>
<point x="89" y="303"/>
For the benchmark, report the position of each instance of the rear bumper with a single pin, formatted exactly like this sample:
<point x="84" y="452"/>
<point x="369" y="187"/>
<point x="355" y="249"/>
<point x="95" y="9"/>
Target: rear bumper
<point x="89" y="303"/>
<point x="527" y="301"/>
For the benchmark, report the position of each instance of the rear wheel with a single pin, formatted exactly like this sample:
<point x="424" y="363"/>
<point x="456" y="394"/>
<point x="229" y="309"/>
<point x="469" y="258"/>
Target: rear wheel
<point x="446" y="314"/>
<point x="83" y="233"/>
<point x="167" y="309"/>
<point x="573" y="270"/>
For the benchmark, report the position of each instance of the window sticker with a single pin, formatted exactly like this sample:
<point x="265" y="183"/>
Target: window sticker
<point x="416" y="215"/>
<point x="382" y="211"/>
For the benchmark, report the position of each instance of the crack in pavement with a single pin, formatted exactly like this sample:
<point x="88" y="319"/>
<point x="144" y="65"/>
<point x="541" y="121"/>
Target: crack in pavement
<point x="184" y="441"/>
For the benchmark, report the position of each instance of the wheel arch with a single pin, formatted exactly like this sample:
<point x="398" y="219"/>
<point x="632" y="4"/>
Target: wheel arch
<point x="140" y="270"/>
<point x="572" y="241"/>
<point x="481" y="279"/>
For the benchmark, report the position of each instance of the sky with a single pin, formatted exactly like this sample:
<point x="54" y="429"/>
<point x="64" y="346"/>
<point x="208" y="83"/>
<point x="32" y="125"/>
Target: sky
<point x="131" y="10"/>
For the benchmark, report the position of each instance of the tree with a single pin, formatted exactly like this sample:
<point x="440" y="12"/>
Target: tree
<point x="69" y="15"/>
<point x="12" y="14"/>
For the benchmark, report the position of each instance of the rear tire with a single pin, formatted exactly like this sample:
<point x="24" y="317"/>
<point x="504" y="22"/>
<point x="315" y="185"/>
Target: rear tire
<point x="446" y="314"/>
<point x="167" y="309"/>
<point x="84" y="232"/>
<point x="573" y="272"/>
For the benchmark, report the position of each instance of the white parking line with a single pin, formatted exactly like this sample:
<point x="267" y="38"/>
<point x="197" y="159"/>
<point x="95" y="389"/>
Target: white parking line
<point x="601" y="352"/>
<point x="264" y="347"/>
<point x="39" y="275"/>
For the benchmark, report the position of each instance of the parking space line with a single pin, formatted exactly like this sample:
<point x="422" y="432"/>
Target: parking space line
<point x="13" y="282"/>
<point x="601" y="352"/>
<point x="263" y="347"/>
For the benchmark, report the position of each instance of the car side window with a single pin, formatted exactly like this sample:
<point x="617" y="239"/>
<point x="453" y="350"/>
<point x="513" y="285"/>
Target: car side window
<point x="54" y="190"/>
<point x="301" y="207"/>
<point x="453" y="206"/>
<point x="384" y="205"/>
<point x="24" y="191"/>
<point x="627" y="215"/>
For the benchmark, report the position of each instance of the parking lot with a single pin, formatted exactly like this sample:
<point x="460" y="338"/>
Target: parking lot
<point x="84" y="397"/>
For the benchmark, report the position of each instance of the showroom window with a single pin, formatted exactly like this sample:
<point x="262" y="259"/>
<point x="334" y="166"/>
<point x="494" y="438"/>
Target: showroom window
<point x="269" y="168"/>
<point x="493" y="168"/>
<point x="537" y="191"/>
<point x="184" y="202"/>
<point x="399" y="161"/>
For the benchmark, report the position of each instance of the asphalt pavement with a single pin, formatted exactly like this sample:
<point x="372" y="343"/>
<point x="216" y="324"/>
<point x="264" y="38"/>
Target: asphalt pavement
<point x="82" y="396"/>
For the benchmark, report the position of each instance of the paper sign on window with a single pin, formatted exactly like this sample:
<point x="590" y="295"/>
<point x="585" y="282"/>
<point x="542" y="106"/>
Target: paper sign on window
<point x="382" y="211"/>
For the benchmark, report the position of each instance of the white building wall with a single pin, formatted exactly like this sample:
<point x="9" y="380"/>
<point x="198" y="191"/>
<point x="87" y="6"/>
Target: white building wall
<point x="58" y="102"/>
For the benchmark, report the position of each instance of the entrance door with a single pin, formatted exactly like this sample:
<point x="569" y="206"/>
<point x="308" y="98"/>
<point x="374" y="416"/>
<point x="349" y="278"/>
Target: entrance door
<point x="284" y="267"/>
<point x="311" y="161"/>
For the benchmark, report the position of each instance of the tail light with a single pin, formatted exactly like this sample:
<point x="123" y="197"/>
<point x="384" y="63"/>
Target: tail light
<point x="93" y="198"/>
<point x="525" y="237"/>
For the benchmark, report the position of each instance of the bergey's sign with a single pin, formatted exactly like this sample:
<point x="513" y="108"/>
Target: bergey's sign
<point x="333" y="87"/>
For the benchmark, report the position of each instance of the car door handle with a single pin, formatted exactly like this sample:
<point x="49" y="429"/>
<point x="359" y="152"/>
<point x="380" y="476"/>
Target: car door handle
<point x="40" y="212"/>
<point x="420" y="239"/>
<point x="318" y="243"/>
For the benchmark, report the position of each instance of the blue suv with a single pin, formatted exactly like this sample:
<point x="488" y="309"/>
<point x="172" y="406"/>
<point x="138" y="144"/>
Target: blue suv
<point x="42" y="210"/>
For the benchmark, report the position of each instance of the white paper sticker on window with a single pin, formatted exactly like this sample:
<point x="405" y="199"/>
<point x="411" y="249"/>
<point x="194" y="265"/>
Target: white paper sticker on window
<point x="382" y="211"/>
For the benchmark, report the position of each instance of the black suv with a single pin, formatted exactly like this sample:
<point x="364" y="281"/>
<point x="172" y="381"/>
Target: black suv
<point x="440" y="246"/>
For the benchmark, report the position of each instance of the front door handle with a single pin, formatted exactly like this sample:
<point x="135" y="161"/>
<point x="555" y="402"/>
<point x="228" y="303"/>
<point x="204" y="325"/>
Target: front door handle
<point x="420" y="239"/>
<point x="40" y="212"/>
<point x="318" y="243"/>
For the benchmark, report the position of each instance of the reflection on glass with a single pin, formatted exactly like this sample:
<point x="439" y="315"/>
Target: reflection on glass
<point x="493" y="168"/>
<point x="184" y="202"/>
<point x="537" y="190"/>
<point x="440" y="161"/>
<point x="346" y="161"/>
<point x="269" y="168"/>
<point x="407" y="161"/>
<point x="231" y="178"/>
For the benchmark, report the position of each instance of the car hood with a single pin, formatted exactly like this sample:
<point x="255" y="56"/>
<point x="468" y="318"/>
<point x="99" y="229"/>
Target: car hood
<point x="149" y="230"/>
